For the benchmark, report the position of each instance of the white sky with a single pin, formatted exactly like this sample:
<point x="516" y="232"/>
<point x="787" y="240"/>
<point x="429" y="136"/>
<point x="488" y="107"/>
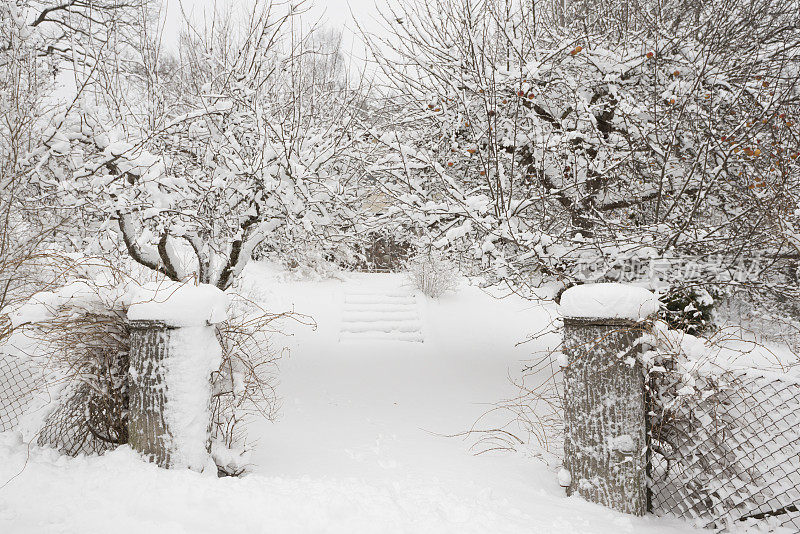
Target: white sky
<point x="333" y="13"/>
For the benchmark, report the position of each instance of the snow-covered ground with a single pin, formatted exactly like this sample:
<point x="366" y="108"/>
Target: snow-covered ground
<point x="369" y="398"/>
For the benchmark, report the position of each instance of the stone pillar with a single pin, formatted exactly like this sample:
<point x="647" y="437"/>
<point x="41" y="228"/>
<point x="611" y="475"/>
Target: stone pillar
<point x="604" y="413"/>
<point x="174" y="350"/>
<point x="148" y="433"/>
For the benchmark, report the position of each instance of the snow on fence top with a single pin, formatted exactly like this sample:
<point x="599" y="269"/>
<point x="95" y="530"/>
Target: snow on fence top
<point x="178" y="304"/>
<point x="608" y="301"/>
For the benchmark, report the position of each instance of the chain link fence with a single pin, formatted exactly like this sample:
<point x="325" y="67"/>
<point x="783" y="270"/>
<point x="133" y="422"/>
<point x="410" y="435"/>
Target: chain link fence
<point x="71" y="427"/>
<point x="87" y="416"/>
<point x="18" y="383"/>
<point x="731" y="454"/>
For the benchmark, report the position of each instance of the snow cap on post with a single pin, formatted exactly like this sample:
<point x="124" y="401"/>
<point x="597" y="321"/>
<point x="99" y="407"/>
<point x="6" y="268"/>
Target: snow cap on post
<point x="177" y="304"/>
<point x="608" y="301"/>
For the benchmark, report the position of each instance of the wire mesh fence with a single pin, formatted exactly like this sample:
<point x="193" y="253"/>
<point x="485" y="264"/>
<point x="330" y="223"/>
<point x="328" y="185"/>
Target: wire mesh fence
<point x="86" y="416"/>
<point x="731" y="454"/>
<point x="18" y="382"/>
<point x="73" y="426"/>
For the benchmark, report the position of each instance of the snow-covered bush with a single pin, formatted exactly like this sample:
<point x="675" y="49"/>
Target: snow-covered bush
<point x="432" y="274"/>
<point x="25" y="231"/>
<point x="244" y="385"/>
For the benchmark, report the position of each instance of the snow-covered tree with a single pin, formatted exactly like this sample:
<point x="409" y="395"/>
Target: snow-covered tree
<point x="39" y="43"/>
<point x="196" y="160"/>
<point x="566" y="134"/>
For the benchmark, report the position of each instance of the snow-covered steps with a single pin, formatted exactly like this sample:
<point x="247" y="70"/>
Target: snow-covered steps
<point x="381" y="314"/>
<point x="375" y="337"/>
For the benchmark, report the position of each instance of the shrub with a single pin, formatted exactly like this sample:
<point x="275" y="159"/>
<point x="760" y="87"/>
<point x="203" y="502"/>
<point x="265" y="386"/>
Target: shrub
<point x="432" y="274"/>
<point x="691" y="309"/>
<point x="244" y="384"/>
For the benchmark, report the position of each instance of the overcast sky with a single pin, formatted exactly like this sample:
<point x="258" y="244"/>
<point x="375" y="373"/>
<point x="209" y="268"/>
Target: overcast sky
<point x="334" y="13"/>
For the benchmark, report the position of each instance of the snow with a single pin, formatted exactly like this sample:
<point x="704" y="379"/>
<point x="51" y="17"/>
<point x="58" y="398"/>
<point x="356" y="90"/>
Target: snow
<point x="194" y="354"/>
<point x="608" y="301"/>
<point x="177" y="304"/>
<point x="379" y="314"/>
<point x="53" y="495"/>
<point x="731" y="349"/>
<point x="80" y="294"/>
<point x="365" y="440"/>
<point x="623" y="443"/>
<point x="564" y="478"/>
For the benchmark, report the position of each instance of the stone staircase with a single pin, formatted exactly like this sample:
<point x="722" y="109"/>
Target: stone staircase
<point x="389" y="314"/>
